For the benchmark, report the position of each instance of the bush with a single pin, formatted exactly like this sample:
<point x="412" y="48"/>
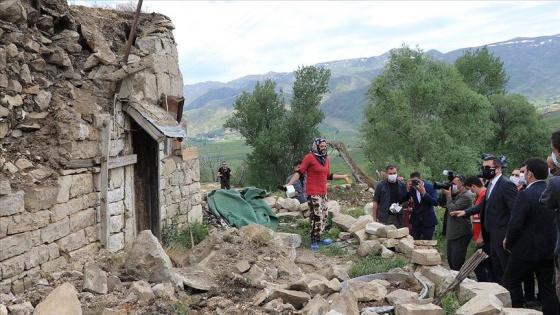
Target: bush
<point x="172" y="234"/>
<point x="450" y="303"/>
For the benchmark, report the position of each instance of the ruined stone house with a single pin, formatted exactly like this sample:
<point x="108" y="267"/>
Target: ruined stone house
<point x="90" y="147"/>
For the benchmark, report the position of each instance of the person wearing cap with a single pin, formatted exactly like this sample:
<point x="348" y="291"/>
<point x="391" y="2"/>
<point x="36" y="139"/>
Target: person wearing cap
<point x="316" y="168"/>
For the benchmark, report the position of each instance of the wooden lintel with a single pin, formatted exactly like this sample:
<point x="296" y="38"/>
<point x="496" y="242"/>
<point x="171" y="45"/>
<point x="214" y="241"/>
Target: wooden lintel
<point x="121" y="161"/>
<point x="79" y="163"/>
<point x="149" y="128"/>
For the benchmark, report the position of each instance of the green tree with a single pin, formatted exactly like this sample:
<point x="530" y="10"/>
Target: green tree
<point x="518" y="131"/>
<point x="482" y="72"/>
<point x="278" y="137"/>
<point x="304" y="116"/>
<point x="422" y="114"/>
<point x="260" y="117"/>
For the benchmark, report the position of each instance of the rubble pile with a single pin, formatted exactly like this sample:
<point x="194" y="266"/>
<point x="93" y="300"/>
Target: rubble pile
<point x="253" y="270"/>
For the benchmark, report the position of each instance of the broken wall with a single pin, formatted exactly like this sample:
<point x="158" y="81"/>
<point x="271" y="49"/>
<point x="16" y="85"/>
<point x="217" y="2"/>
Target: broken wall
<point x="59" y="68"/>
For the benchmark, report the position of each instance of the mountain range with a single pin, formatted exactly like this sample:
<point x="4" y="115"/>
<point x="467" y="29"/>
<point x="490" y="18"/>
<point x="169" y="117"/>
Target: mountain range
<point x="532" y="65"/>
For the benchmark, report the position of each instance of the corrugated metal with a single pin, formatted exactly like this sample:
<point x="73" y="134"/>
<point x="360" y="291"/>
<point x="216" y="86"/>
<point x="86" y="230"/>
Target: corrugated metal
<point x="160" y="119"/>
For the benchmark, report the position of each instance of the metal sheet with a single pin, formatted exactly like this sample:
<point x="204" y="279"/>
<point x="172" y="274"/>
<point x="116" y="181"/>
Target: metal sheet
<point x="160" y="119"/>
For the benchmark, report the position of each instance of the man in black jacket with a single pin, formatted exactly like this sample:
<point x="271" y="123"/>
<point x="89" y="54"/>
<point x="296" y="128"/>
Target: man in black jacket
<point x="495" y="211"/>
<point x="387" y="193"/>
<point x="551" y="199"/>
<point x="530" y="238"/>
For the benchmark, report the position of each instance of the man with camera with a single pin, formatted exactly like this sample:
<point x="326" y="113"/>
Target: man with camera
<point x="458" y="231"/>
<point x="422" y="200"/>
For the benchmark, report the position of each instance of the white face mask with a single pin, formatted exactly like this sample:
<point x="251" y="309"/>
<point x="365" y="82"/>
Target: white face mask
<point x="392" y="178"/>
<point x="515" y="180"/>
<point x="522" y="178"/>
<point x="454" y="189"/>
<point x="554" y="159"/>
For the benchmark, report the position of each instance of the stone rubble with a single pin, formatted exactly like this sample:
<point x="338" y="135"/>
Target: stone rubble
<point x="273" y="281"/>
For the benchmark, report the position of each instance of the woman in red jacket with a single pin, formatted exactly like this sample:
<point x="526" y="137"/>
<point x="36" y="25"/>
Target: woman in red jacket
<point x="316" y="168"/>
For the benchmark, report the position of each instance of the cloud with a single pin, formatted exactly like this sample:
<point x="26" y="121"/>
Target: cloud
<point x="225" y="40"/>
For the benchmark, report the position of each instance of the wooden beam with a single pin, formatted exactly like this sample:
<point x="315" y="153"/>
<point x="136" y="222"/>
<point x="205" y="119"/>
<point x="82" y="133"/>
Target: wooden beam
<point x="104" y="184"/>
<point x="148" y="127"/>
<point x="79" y="163"/>
<point x="121" y="161"/>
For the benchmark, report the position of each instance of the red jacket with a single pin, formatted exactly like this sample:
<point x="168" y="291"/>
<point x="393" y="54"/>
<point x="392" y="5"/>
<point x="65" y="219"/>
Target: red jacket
<point x="316" y="175"/>
<point x="477" y="228"/>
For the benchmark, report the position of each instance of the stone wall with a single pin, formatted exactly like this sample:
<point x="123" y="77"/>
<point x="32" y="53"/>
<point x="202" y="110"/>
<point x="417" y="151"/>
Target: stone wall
<point x="59" y="66"/>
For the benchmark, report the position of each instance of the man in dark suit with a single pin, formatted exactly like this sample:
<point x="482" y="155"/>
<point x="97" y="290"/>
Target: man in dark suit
<point x="551" y="198"/>
<point x="495" y="212"/>
<point x="530" y="238"/>
<point x="423" y="198"/>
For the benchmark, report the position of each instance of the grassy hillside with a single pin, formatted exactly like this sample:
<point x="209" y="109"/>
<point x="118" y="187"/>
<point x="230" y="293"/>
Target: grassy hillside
<point x="235" y="151"/>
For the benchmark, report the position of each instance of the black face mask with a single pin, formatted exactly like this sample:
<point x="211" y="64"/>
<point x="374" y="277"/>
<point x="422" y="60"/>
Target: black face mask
<point x="488" y="173"/>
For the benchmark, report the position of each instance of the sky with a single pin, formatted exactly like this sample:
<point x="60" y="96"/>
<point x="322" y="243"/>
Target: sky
<point x="226" y="40"/>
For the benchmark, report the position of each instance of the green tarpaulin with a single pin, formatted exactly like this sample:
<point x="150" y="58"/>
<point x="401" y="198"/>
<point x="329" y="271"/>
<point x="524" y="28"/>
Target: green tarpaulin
<point x="242" y="208"/>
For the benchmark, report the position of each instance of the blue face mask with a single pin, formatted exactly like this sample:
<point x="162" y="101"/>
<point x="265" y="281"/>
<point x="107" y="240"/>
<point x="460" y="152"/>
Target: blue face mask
<point x="554" y="159"/>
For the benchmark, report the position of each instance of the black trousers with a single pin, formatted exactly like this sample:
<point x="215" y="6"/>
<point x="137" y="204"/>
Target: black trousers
<point x="224" y="184"/>
<point x="485" y="270"/>
<point x="457" y="251"/>
<point x="499" y="257"/>
<point x="420" y="232"/>
<point x="518" y="269"/>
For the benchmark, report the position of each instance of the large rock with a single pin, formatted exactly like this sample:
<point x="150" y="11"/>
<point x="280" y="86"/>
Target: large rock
<point x="197" y="277"/>
<point x="147" y="260"/>
<point x="426" y="257"/>
<point x="345" y="303"/>
<point x="296" y="298"/>
<point x="418" y="309"/>
<point x="481" y="304"/>
<point x="318" y="305"/>
<point x="12" y="11"/>
<point x="61" y="301"/>
<point x="468" y="290"/>
<point x="367" y="291"/>
<point x="95" y="279"/>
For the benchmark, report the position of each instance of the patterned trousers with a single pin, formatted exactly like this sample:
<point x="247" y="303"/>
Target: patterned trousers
<point x="318" y="215"/>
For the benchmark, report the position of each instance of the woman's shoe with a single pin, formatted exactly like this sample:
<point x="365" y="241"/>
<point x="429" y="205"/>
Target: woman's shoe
<point x="326" y="241"/>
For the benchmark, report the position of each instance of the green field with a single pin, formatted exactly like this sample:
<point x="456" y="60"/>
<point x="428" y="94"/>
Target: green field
<point x="235" y="151"/>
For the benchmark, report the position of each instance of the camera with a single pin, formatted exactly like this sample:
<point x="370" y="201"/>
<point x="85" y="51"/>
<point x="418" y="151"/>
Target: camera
<point x="447" y="184"/>
<point x="414" y="182"/>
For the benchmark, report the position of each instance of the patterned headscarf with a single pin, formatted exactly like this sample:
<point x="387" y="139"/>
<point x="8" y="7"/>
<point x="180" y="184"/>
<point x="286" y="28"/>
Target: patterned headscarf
<point x="319" y="154"/>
